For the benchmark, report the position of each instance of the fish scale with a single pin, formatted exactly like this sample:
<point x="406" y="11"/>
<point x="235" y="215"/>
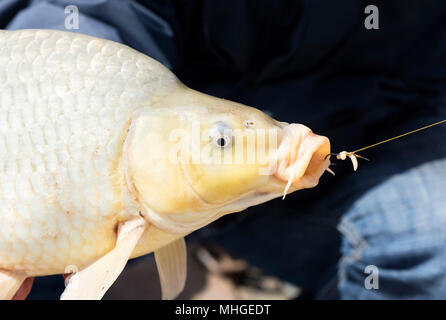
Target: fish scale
<point x="66" y="101"/>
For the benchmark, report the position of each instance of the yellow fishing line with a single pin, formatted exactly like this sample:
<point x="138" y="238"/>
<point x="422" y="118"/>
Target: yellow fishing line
<point x="401" y="135"/>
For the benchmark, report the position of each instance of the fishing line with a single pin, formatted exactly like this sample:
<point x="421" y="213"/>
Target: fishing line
<point x="400" y="136"/>
<point x="353" y="154"/>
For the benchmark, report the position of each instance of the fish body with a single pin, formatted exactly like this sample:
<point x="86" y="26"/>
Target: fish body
<point x="66" y="105"/>
<point x="87" y="129"/>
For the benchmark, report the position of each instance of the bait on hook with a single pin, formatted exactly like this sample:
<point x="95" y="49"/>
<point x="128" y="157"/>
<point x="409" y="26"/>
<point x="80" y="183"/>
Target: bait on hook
<point x="343" y="155"/>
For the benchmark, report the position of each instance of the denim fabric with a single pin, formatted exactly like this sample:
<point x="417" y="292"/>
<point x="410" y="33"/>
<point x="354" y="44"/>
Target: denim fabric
<point x="400" y="227"/>
<point x="118" y="20"/>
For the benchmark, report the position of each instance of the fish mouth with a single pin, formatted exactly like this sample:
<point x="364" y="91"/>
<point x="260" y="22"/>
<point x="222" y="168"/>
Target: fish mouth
<point x="301" y="158"/>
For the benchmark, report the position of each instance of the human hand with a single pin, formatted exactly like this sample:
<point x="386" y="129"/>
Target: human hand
<point x="24" y="290"/>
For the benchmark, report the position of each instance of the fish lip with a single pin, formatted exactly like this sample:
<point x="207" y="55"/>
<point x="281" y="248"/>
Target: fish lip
<point x="316" y="164"/>
<point x="310" y="163"/>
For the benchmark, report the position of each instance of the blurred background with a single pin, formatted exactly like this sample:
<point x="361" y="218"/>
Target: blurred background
<point x="306" y="61"/>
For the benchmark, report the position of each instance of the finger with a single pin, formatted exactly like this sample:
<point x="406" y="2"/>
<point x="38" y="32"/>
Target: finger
<point x="24" y="290"/>
<point x="66" y="275"/>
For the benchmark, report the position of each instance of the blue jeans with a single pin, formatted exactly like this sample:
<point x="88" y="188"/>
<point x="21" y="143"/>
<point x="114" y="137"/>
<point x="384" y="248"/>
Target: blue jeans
<point x="398" y="226"/>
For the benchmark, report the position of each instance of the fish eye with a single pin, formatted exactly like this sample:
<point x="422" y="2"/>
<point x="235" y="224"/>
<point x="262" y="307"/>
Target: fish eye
<point x="223" y="141"/>
<point x="221" y="135"/>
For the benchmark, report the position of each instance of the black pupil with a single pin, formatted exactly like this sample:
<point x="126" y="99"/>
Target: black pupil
<point x="221" y="142"/>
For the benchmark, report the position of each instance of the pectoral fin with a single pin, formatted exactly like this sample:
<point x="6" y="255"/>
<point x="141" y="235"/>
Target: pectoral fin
<point x="93" y="282"/>
<point x="172" y="268"/>
<point x="10" y="282"/>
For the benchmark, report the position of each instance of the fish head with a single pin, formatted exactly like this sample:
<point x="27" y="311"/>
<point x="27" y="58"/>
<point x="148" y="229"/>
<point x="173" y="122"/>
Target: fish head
<point x="192" y="158"/>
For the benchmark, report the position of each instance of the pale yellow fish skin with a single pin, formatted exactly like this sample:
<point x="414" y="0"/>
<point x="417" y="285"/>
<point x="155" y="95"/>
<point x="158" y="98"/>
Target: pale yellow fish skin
<point x="65" y="104"/>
